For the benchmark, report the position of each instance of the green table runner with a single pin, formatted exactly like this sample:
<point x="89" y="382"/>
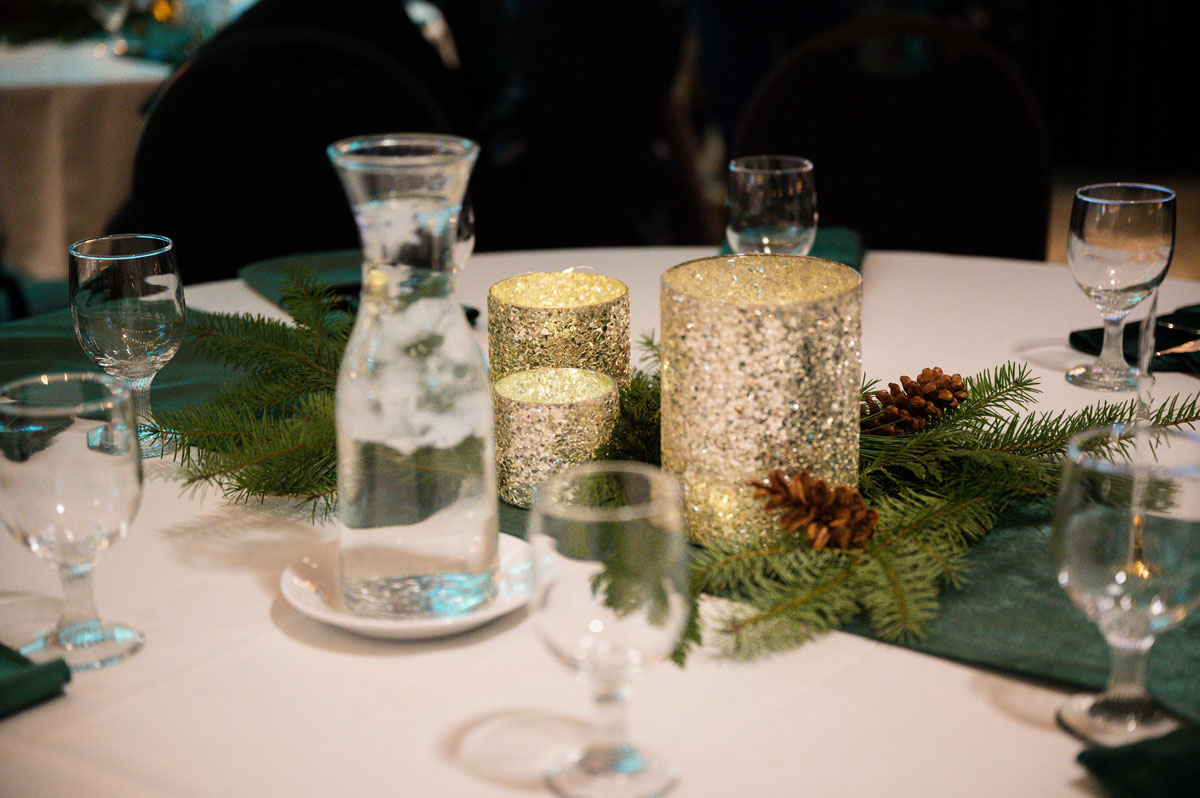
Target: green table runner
<point x="1011" y="615"/>
<point x="840" y="244"/>
<point x="47" y="343"/>
<point x="342" y="269"/>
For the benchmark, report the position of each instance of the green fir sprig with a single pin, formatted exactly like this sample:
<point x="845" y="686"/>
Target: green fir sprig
<point x="936" y="491"/>
<point x="271" y="433"/>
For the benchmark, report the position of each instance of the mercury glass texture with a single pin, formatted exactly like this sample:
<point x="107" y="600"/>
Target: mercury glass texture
<point x="547" y="420"/>
<point x="761" y="369"/>
<point x="559" y="320"/>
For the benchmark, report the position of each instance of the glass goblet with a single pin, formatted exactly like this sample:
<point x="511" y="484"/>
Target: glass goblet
<point x="772" y="205"/>
<point x="610" y="567"/>
<point x="1126" y="548"/>
<point x="70" y="483"/>
<point x="127" y="302"/>
<point x="1119" y="247"/>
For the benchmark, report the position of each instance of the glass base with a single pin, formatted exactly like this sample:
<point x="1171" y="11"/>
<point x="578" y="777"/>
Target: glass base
<point x="603" y="772"/>
<point x="86" y="646"/>
<point x="1099" y="377"/>
<point x="1107" y="720"/>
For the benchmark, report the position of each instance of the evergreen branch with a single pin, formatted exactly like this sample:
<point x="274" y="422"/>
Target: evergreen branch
<point x="272" y="433"/>
<point x="651" y="351"/>
<point x="228" y="348"/>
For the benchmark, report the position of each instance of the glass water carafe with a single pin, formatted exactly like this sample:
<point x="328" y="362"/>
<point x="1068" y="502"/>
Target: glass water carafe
<point x="416" y="473"/>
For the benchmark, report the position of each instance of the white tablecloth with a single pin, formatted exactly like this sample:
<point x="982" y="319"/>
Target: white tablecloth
<point x="236" y="693"/>
<point x="69" y="124"/>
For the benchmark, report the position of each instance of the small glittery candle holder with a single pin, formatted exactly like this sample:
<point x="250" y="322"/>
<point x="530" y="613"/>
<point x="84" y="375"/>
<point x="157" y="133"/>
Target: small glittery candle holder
<point x="546" y="420"/>
<point x="559" y="320"/>
<point x="761" y="369"/>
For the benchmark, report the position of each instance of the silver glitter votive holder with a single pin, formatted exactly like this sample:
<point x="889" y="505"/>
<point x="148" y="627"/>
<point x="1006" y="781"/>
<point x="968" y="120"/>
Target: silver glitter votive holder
<point x="546" y="420"/>
<point x="761" y="370"/>
<point x="559" y="320"/>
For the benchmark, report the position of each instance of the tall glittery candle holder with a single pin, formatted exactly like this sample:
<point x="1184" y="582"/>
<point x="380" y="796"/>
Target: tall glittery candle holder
<point x="547" y="420"/>
<point x="559" y="320"/>
<point x="761" y="369"/>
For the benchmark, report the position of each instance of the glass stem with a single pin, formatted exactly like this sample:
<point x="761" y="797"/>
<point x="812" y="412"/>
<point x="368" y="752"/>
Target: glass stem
<point x="141" y="397"/>
<point x="611" y="729"/>
<point x="1113" y="352"/>
<point x="79" y="606"/>
<point x="1127" y="673"/>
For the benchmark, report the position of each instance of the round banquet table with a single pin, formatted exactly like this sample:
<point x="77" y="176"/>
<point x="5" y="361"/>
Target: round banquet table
<point x="237" y="693"/>
<point x="69" y="124"/>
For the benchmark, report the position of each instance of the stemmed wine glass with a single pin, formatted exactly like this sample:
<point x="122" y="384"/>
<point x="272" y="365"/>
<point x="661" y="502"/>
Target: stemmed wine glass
<point x="127" y="302"/>
<point x="1126" y="547"/>
<point x="610" y="578"/>
<point x="70" y="483"/>
<point x="772" y="205"/>
<point x="1120" y="244"/>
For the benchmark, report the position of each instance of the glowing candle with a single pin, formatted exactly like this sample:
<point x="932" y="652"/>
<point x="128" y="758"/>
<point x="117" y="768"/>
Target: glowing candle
<point x="761" y="369"/>
<point x="559" y="320"/>
<point x="548" y="419"/>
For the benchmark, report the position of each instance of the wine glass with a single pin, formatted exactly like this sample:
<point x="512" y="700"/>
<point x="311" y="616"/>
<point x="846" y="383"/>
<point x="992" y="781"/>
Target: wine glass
<point x="1120" y="244"/>
<point x="127" y="302"/>
<point x="610" y="577"/>
<point x="772" y="205"/>
<point x="70" y="483"/>
<point x="1126" y="547"/>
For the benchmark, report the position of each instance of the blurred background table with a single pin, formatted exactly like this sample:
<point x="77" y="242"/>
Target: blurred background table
<point x="70" y="114"/>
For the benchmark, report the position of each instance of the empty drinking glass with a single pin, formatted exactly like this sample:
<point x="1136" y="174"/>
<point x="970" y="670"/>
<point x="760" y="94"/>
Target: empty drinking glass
<point x="70" y="483"/>
<point x="127" y="302"/>
<point x="610" y="565"/>
<point x="1120" y="244"/>
<point x="1126" y="547"/>
<point x="772" y="205"/>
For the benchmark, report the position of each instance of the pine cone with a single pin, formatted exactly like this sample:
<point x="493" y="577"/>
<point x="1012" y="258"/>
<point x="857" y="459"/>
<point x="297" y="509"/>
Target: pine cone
<point x="908" y="406"/>
<point x="837" y="518"/>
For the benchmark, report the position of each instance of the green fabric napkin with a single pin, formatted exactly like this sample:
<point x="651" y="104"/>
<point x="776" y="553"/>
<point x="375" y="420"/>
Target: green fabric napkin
<point x="23" y="684"/>
<point x="1090" y="340"/>
<point x="840" y="244"/>
<point x="1165" y="767"/>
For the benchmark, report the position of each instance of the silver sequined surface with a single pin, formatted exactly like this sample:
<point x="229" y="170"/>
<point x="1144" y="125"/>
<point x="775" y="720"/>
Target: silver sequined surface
<point x="560" y="320"/>
<point x="761" y="369"/>
<point x="546" y="420"/>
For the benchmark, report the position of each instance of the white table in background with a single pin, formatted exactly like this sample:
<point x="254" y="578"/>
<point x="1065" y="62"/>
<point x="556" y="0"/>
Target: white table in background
<point x="70" y="116"/>
<point x="236" y="693"/>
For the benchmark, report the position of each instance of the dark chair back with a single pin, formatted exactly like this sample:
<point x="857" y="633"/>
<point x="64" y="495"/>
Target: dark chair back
<point x="923" y="137"/>
<point x="231" y="161"/>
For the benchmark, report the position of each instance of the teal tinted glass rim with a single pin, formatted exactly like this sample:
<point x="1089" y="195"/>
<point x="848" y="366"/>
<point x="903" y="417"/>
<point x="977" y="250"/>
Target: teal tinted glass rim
<point x="1115" y="465"/>
<point x="163" y="245"/>
<point x="118" y="391"/>
<point x="548" y="504"/>
<point x="438" y="149"/>
<point x="1164" y="194"/>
